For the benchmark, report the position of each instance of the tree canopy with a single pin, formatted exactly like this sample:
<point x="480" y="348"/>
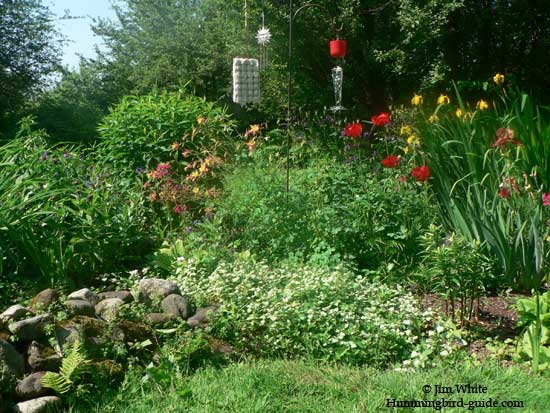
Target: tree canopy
<point x="29" y="50"/>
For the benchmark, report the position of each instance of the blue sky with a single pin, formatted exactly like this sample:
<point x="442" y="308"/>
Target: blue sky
<point x="80" y="36"/>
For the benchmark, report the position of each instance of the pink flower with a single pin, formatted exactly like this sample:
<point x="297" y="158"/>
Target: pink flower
<point x="546" y="199"/>
<point x="179" y="209"/>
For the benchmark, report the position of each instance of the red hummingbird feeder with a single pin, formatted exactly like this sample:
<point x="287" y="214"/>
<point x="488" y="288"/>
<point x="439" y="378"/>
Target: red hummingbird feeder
<point x="338" y="48"/>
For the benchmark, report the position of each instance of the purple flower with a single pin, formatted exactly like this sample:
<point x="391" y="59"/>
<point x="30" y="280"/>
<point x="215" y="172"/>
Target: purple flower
<point x="66" y="155"/>
<point x="44" y="156"/>
<point x="366" y="135"/>
<point x="140" y="170"/>
<point x="343" y="133"/>
<point x="329" y="119"/>
<point x="189" y="229"/>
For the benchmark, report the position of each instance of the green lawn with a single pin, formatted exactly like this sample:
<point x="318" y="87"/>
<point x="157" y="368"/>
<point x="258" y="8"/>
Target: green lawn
<point x="288" y="386"/>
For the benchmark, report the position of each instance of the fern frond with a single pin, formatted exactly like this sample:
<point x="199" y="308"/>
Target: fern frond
<point x="74" y="360"/>
<point x="62" y="382"/>
<point x="56" y="382"/>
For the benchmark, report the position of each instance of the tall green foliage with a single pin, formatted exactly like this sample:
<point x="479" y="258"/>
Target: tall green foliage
<point x="63" y="216"/>
<point x="483" y="191"/>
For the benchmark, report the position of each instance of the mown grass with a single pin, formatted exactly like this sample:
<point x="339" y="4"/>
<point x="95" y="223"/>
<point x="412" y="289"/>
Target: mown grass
<point x="295" y="386"/>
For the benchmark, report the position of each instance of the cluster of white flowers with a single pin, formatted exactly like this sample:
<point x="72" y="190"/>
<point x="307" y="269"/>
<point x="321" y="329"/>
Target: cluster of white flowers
<point x="328" y="313"/>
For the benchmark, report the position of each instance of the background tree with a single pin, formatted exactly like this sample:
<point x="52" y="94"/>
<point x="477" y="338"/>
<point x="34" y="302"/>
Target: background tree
<point x="29" y="51"/>
<point x="71" y="111"/>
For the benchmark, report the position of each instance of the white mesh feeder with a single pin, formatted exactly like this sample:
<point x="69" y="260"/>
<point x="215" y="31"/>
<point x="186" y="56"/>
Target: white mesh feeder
<point x="246" y="73"/>
<point x="246" y="80"/>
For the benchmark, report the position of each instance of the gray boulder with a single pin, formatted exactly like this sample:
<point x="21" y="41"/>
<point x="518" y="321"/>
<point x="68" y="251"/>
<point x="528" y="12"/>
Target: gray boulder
<point x="43" y="358"/>
<point x="201" y="318"/>
<point x="176" y="305"/>
<point x="67" y="333"/>
<point x="32" y="328"/>
<point x="80" y="307"/>
<point x="12" y="364"/>
<point x="15" y="313"/>
<point x="41" y="405"/>
<point x="84" y="294"/>
<point x="159" y="319"/>
<point x="109" y="308"/>
<point x="125" y="296"/>
<point x="44" y="299"/>
<point x="156" y="289"/>
<point x="31" y="387"/>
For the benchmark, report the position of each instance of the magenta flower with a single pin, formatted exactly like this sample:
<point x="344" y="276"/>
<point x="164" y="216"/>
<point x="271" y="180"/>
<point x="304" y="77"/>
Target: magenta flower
<point x="546" y="199"/>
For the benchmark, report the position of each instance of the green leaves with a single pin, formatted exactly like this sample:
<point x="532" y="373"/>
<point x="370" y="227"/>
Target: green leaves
<point x="71" y="366"/>
<point x="484" y="192"/>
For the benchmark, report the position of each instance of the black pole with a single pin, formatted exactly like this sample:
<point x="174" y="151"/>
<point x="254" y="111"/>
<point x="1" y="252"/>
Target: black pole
<point x="291" y="16"/>
<point x="289" y="107"/>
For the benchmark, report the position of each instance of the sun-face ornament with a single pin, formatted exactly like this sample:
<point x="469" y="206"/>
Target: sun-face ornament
<point x="263" y="36"/>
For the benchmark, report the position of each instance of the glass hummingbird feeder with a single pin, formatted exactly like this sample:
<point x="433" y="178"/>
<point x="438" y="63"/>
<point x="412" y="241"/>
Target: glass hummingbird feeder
<point x="338" y="49"/>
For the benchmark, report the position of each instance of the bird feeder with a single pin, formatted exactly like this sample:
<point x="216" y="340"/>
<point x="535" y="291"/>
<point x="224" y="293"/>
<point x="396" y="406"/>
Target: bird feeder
<point x="338" y="48"/>
<point x="246" y="73"/>
<point x="246" y="80"/>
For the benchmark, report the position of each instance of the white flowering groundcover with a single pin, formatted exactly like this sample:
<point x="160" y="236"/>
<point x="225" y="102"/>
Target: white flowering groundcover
<point x="329" y="314"/>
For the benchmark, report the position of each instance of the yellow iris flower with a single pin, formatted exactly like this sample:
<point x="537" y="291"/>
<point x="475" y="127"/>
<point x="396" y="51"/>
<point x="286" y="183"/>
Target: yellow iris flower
<point x="413" y="140"/>
<point x="406" y="130"/>
<point x="482" y="105"/>
<point x="443" y="100"/>
<point x="498" y="79"/>
<point x="417" y="100"/>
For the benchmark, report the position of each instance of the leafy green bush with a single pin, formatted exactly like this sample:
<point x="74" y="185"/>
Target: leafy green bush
<point x="306" y="310"/>
<point x="347" y="209"/>
<point x="141" y="131"/>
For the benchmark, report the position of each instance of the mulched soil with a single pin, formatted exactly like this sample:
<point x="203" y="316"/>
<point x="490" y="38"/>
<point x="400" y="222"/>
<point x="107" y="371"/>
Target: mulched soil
<point x="495" y="318"/>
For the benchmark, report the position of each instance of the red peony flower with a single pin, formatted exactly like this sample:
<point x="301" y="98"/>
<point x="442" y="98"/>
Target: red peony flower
<point x="381" y="119"/>
<point x="421" y="173"/>
<point x="353" y="130"/>
<point x="390" y="161"/>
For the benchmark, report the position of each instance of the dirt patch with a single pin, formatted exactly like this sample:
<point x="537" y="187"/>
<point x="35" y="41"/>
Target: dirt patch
<point x="494" y="317"/>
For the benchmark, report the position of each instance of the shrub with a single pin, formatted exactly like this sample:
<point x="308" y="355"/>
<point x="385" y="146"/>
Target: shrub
<point x="141" y="131"/>
<point x="352" y="210"/>
<point x="302" y="310"/>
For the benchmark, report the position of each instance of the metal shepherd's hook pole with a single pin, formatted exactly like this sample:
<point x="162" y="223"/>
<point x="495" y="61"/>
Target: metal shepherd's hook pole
<point x="292" y="15"/>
